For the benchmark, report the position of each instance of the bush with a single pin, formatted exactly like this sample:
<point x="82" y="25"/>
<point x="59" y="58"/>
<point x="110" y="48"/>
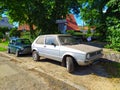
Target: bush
<point x="113" y="32"/>
<point x="1" y="35"/>
<point x="71" y="32"/>
<point x="14" y="33"/>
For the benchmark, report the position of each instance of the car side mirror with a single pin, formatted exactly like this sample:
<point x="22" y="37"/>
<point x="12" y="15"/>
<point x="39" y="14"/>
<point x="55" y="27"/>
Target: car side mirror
<point x="53" y="44"/>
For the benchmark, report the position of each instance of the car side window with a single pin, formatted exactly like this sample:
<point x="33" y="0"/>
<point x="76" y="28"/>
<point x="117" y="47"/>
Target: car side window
<point x="51" y="40"/>
<point x="12" y="41"/>
<point x="18" y="41"/>
<point x="40" y="40"/>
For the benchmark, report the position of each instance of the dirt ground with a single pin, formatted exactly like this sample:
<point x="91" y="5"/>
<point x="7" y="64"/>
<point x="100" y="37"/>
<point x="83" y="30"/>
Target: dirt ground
<point x="93" y="77"/>
<point x="13" y="77"/>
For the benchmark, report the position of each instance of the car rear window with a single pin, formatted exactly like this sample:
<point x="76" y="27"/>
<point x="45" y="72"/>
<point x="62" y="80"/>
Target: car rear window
<point x="23" y="41"/>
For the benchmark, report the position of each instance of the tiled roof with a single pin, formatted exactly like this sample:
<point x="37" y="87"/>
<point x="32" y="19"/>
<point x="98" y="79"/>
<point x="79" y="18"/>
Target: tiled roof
<point x="71" y="23"/>
<point x="26" y="27"/>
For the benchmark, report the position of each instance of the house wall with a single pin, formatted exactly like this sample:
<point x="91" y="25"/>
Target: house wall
<point x="5" y="23"/>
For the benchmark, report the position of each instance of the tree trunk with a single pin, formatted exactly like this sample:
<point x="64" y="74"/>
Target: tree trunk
<point x="32" y="33"/>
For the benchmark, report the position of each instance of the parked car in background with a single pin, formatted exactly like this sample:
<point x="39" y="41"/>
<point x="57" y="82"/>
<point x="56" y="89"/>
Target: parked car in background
<point x="66" y="49"/>
<point x="19" y="46"/>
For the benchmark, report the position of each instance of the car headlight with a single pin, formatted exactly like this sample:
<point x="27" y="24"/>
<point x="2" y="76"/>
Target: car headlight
<point x="88" y="56"/>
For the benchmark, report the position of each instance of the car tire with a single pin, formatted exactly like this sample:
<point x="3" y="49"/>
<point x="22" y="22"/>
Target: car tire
<point x="35" y="56"/>
<point x="69" y="64"/>
<point x="9" y="51"/>
<point x="17" y="53"/>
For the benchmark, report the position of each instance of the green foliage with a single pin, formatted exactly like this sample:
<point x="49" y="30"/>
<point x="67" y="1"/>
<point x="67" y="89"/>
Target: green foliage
<point x="1" y="35"/>
<point x="113" y="33"/>
<point x="107" y="23"/>
<point x="3" y="46"/>
<point x="89" y="33"/>
<point x="14" y="33"/>
<point x="27" y="36"/>
<point x="3" y="31"/>
<point x="42" y="13"/>
<point x="72" y="32"/>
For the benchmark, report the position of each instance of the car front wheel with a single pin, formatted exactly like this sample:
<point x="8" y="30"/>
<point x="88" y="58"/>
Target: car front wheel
<point x="9" y="50"/>
<point x="69" y="64"/>
<point x="35" y="56"/>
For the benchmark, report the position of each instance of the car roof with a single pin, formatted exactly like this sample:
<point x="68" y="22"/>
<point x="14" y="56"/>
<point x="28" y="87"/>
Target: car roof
<point x="17" y="38"/>
<point x="56" y="35"/>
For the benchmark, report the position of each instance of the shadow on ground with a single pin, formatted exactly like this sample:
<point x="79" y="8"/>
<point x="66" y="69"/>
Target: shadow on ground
<point x="96" y="44"/>
<point x="101" y="67"/>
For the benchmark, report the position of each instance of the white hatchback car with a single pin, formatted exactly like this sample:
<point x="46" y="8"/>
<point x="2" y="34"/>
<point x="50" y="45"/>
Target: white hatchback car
<point x="66" y="49"/>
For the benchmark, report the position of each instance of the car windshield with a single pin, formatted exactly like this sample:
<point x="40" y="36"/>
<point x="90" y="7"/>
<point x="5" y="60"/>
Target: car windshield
<point x="23" y="41"/>
<point x="67" y="40"/>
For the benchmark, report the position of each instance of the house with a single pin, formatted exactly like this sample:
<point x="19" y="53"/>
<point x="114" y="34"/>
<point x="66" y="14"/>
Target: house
<point x="84" y="29"/>
<point x="25" y="27"/>
<point x="71" y="23"/>
<point x="5" y="23"/>
<point x="63" y="24"/>
<point x="67" y="24"/>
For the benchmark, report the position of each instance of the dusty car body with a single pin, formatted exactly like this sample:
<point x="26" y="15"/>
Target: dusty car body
<point x="19" y="46"/>
<point x="66" y="49"/>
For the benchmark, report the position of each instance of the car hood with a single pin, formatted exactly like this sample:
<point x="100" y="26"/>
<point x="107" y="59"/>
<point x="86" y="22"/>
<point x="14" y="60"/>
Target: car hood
<point x="84" y="48"/>
<point x="26" y="46"/>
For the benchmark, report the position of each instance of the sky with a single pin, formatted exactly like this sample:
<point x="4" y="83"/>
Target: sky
<point x="79" y="21"/>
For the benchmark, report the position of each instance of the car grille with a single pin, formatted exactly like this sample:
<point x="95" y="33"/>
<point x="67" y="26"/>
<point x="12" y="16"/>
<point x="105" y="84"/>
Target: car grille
<point x="27" y="50"/>
<point x="95" y="53"/>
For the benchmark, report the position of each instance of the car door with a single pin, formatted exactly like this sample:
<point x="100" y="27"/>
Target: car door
<point x="39" y="44"/>
<point x="12" y="46"/>
<point x="51" y="48"/>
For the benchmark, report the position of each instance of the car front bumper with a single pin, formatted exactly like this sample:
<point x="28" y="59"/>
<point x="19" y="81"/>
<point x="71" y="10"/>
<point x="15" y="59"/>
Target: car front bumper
<point x="25" y="51"/>
<point x="89" y="61"/>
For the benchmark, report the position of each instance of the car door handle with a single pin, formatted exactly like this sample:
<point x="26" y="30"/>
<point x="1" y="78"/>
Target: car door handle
<point x="44" y="46"/>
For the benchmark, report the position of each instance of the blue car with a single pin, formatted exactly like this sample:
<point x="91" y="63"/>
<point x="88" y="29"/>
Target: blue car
<point x="19" y="46"/>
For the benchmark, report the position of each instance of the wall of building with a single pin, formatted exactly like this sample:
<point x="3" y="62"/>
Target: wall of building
<point x="5" y="23"/>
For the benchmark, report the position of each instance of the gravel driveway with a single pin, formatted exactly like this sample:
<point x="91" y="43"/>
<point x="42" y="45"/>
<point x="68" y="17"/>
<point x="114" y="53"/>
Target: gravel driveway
<point x="93" y="77"/>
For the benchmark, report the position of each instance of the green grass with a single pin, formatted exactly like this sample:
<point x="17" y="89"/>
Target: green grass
<point x="3" y="46"/>
<point x="2" y="49"/>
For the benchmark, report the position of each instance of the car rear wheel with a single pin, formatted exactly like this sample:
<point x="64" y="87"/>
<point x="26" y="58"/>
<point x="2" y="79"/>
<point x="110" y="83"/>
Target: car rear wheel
<point x="9" y="50"/>
<point x="17" y="53"/>
<point x="35" y="56"/>
<point x="69" y="64"/>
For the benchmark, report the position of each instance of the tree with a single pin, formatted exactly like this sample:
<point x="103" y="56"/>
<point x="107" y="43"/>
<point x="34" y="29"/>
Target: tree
<point x="20" y="11"/>
<point x="3" y="31"/>
<point x="113" y="24"/>
<point x="42" y="13"/>
<point x="14" y="32"/>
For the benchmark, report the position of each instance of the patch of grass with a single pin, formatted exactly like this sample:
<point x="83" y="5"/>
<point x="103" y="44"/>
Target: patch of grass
<point x="3" y="46"/>
<point x="112" y="68"/>
<point x="3" y="49"/>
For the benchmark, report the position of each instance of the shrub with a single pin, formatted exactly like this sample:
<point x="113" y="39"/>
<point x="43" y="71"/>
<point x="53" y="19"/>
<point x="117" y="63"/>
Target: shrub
<point x="1" y="35"/>
<point x="72" y="32"/>
<point x="14" y="33"/>
<point x="113" y="34"/>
